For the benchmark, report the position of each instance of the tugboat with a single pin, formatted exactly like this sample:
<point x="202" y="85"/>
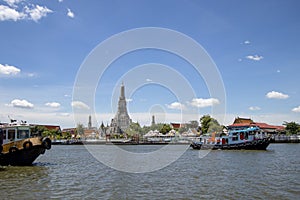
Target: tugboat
<point x="249" y="139"/>
<point x="18" y="147"/>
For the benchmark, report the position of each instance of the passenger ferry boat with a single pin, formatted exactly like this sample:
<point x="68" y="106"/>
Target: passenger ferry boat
<point x="18" y="146"/>
<point x="251" y="138"/>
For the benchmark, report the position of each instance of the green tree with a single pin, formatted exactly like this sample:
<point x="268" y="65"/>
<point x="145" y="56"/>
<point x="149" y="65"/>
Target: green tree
<point x="292" y="127"/>
<point x="133" y="129"/>
<point x="165" y="129"/>
<point x="204" y="121"/>
<point x="38" y="130"/>
<point x="214" y="126"/>
<point x="209" y="124"/>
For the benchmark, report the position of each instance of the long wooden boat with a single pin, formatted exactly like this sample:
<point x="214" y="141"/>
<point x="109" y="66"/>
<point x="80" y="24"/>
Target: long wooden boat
<point x="249" y="139"/>
<point x="19" y="147"/>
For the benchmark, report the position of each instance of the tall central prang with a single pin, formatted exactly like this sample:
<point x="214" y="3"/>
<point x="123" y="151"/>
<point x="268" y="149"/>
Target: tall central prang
<point x="121" y="120"/>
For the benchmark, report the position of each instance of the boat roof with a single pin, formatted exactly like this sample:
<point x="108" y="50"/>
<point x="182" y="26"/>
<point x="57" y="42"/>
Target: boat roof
<point x="245" y="130"/>
<point x="12" y="125"/>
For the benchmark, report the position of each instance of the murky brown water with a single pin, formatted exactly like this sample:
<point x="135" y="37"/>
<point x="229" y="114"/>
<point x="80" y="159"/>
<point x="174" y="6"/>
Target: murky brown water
<point x="70" y="172"/>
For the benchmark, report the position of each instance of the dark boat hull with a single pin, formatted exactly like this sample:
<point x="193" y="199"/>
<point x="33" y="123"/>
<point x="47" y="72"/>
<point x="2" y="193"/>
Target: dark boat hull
<point x="23" y="157"/>
<point x="260" y="144"/>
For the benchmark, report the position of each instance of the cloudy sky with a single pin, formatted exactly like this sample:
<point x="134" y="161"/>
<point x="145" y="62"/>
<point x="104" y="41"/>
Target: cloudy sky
<point x="255" y="46"/>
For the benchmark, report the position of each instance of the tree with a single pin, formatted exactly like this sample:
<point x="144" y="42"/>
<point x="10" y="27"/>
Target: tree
<point x="214" y="126"/>
<point x="209" y="124"/>
<point x="204" y="121"/>
<point x="38" y="130"/>
<point x="45" y="132"/>
<point x="80" y="129"/>
<point x="292" y="127"/>
<point x="133" y="129"/>
<point x="165" y="129"/>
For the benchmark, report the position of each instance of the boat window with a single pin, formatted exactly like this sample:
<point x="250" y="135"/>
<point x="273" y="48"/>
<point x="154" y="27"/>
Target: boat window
<point x="22" y="134"/>
<point x="1" y="137"/>
<point x="246" y="136"/>
<point x="4" y="134"/>
<point x="11" y="134"/>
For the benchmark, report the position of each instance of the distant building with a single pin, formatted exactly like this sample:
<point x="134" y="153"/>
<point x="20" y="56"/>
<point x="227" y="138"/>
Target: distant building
<point x="90" y="122"/>
<point x="240" y="123"/>
<point x="177" y="125"/>
<point x="153" y="120"/>
<point x="91" y="132"/>
<point x="121" y="121"/>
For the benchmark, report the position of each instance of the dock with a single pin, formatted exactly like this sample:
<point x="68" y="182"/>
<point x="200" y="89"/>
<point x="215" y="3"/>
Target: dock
<point x="285" y="139"/>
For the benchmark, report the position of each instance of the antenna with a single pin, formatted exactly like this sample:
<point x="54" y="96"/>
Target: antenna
<point x="11" y="120"/>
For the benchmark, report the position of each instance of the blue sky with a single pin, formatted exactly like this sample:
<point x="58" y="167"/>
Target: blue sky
<point x="254" y="44"/>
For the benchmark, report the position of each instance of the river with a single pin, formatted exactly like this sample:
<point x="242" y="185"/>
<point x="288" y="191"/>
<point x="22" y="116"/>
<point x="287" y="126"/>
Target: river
<point x="71" y="172"/>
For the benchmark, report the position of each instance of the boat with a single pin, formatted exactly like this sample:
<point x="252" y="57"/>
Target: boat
<point x="252" y="138"/>
<point x="18" y="146"/>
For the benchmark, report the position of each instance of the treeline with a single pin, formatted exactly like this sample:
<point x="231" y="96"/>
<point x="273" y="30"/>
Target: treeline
<point x="207" y="125"/>
<point x="291" y="128"/>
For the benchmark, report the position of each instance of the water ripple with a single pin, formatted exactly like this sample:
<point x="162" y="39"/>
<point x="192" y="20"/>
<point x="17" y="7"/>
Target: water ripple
<point x="70" y="172"/>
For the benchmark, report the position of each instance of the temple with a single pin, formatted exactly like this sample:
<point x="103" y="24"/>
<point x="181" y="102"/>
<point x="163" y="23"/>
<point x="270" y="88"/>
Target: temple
<point x="121" y="121"/>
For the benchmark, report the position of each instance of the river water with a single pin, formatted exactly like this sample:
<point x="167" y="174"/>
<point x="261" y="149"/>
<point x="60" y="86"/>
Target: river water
<point x="71" y="172"/>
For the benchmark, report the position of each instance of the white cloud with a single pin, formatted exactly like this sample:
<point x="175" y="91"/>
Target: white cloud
<point x="9" y="70"/>
<point x="70" y="13"/>
<point x="21" y="103"/>
<point x="202" y="103"/>
<point x="129" y="100"/>
<point x="247" y="42"/>
<point x="254" y="108"/>
<point x="278" y="71"/>
<point x="12" y="3"/>
<point x="297" y="109"/>
<point x="276" y="95"/>
<point x="7" y="13"/>
<point x="148" y="80"/>
<point x="60" y="1"/>
<point x="63" y="114"/>
<point x="37" y="12"/>
<point x="254" y="57"/>
<point x="53" y="104"/>
<point x="176" y="106"/>
<point x="31" y="12"/>
<point x="79" y="105"/>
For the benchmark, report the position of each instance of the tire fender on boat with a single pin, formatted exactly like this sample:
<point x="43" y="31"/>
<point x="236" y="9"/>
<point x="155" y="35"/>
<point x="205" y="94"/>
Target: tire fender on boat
<point x="27" y="145"/>
<point x="13" y="149"/>
<point x="46" y="143"/>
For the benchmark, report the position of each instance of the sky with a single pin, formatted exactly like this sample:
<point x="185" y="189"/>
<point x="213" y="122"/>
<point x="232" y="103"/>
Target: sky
<point x="253" y="46"/>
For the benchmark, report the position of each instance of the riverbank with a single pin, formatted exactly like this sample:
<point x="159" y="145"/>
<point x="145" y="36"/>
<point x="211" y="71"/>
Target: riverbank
<point x="115" y="142"/>
<point x="274" y="139"/>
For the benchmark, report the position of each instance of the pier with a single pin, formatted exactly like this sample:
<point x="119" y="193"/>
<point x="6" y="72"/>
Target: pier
<point x="285" y="139"/>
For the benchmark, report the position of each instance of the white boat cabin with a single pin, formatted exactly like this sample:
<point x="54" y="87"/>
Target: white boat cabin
<point x="10" y="133"/>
